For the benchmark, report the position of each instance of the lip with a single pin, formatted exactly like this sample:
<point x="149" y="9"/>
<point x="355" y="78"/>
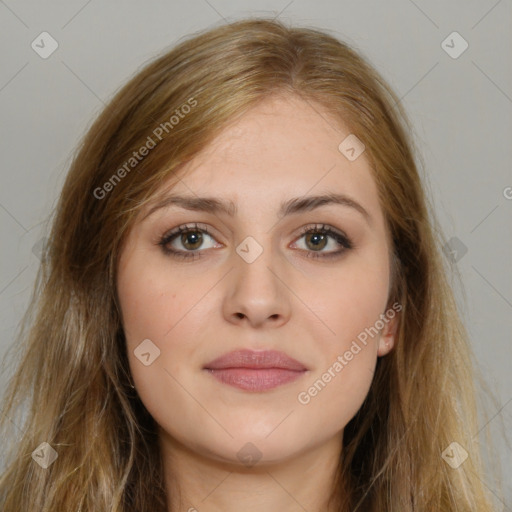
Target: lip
<point x="255" y="370"/>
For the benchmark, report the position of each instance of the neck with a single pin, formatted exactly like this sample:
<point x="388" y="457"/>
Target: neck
<point x="198" y="483"/>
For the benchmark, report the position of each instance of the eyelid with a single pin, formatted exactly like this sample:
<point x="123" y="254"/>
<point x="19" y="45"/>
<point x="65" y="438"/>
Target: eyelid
<point x="339" y="237"/>
<point x="186" y="227"/>
<point x="199" y="226"/>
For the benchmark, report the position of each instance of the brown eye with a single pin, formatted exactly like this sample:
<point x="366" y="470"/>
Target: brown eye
<point x="316" y="240"/>
<point x="191" y="239"/>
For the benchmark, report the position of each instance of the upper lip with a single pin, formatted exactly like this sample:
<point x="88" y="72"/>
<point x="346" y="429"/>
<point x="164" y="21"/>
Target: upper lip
<point x="262" y="359"/>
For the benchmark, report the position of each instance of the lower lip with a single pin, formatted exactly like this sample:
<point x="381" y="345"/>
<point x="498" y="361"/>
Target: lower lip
<point x="251" y="379"/>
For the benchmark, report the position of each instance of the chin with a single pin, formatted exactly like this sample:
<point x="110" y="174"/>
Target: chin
<point x="251" y="449"/>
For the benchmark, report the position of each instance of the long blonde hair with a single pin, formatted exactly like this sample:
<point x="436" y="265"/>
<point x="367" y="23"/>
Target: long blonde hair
<point x="73" y="373"/>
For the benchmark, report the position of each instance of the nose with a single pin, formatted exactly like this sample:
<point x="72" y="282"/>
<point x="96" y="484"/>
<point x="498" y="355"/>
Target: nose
<point x="257" y="293"/>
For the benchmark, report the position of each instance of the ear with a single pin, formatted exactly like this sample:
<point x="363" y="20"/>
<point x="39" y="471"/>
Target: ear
<point x="388" y="335"/>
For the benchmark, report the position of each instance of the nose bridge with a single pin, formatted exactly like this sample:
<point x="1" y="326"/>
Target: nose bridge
<point x="256" y="289"/>
<point x="255" y="258"/>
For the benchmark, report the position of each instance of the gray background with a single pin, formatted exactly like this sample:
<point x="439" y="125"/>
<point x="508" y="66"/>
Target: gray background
<point x="460" y="107"/>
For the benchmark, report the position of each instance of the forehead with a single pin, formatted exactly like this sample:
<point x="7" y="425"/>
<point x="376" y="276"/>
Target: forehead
<point x="282" y="147"/>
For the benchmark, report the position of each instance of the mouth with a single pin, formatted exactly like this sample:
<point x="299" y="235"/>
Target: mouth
<point x="255" y="371"/>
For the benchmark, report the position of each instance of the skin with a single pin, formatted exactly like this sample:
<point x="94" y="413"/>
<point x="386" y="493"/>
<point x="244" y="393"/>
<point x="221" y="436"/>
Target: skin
<point x="310" y="308"/>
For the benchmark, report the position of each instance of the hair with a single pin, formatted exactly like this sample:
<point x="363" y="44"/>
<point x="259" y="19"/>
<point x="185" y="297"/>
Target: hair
<point x="73" y="371"/>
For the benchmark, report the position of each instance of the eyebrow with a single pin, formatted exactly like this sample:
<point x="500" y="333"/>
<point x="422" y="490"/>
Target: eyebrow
<point x="292" y="206"/>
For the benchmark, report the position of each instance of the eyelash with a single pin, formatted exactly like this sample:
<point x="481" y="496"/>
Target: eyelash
<point x="323" y="229"/>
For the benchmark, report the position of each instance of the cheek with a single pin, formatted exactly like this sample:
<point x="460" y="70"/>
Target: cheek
<point x="152" y="302"/>
<point x="340" y="384"/>
<point x="351" y="301"/>
<point x="333" y="398"/>
<point x="170" y="310"/>
<point x="155" y="307"/>
<point x="349" y="308"/>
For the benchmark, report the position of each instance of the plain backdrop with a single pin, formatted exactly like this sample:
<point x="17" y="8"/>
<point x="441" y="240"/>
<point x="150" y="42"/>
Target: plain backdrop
<point x="459" y="99"/>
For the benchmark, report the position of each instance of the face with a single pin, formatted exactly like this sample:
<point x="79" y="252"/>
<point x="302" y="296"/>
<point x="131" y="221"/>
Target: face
<point x="300" y="289"/>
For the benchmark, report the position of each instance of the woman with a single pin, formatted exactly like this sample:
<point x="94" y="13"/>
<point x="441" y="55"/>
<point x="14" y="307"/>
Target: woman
<point x="242" y="303"/>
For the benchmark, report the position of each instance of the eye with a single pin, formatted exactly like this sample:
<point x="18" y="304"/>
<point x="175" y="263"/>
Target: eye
<point x="192" y="237"/>
<point x="317" y="238"/>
